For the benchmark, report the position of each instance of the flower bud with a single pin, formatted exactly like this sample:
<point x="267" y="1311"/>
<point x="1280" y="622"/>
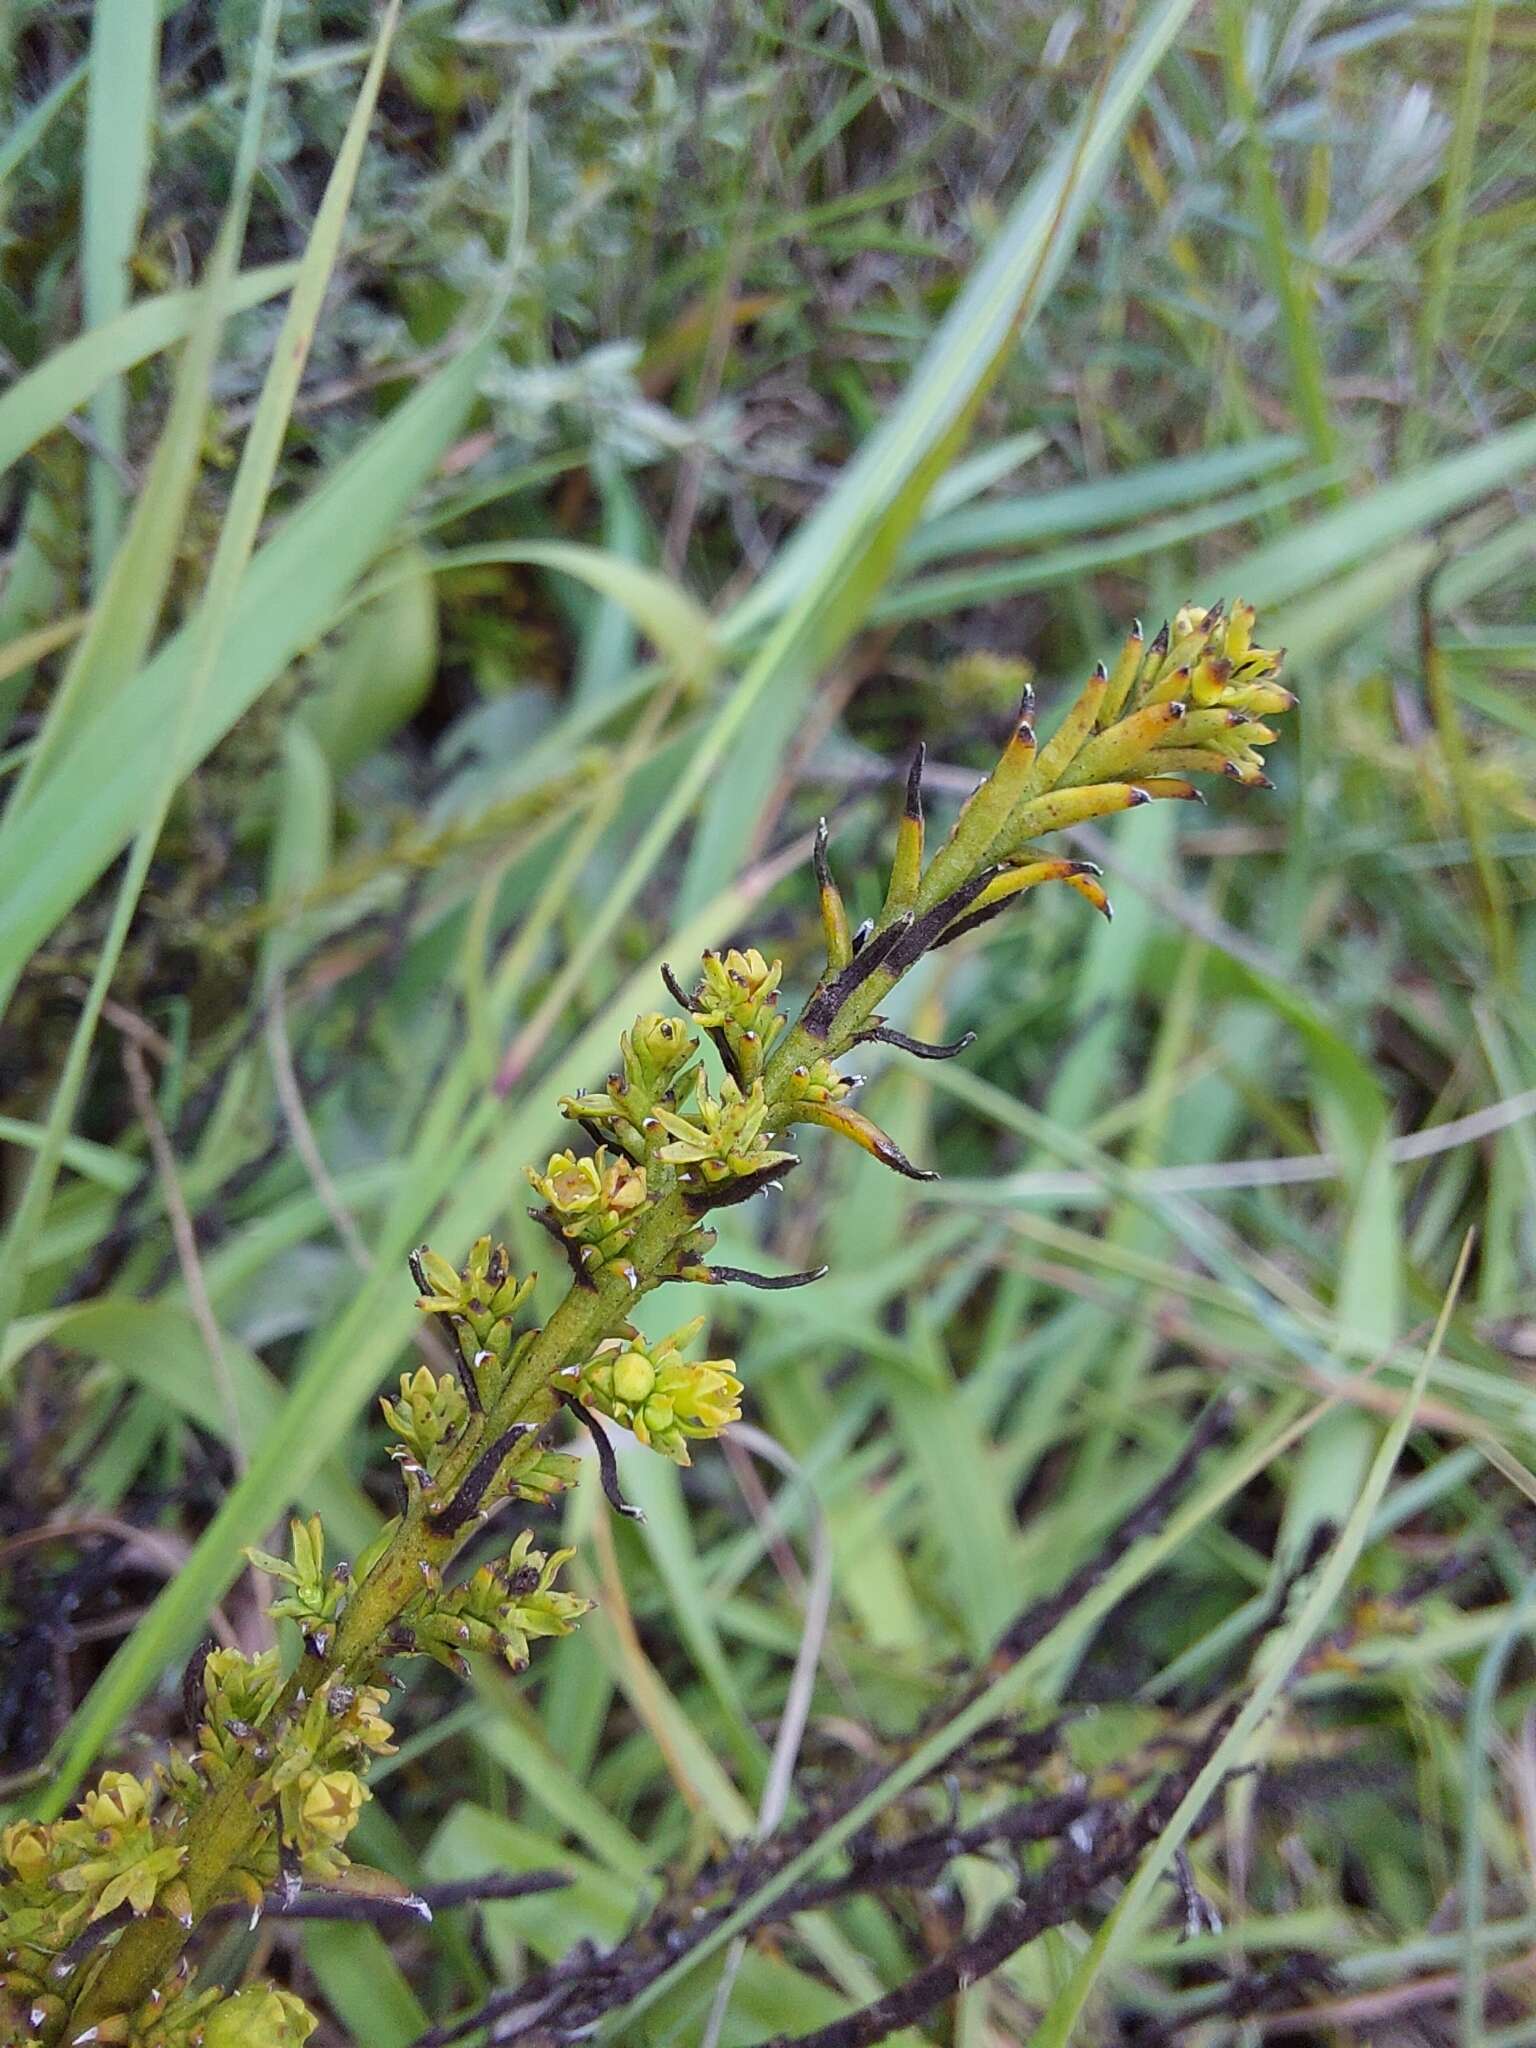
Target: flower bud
<point x="25" y="1846"/>
<point x="654" y="1048"/>
<point x="116" y="1801"/>
<point x="259" y="2016"/>
<point x="633" y="1377"/>
<point x="429" y="1413"/>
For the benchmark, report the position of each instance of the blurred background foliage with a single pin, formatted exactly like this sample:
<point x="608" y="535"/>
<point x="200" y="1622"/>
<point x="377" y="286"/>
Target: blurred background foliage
<point x="523" y="683"/>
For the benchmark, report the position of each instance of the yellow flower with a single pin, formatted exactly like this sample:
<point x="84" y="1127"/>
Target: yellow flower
<point x="651" y="1390"/>
<point x="116" y="1801"/>
<point x="329" y="1808"/>
<point x="25" y="1845"/>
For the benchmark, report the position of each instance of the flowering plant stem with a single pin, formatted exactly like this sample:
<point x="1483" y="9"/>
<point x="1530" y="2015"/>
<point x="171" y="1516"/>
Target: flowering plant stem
<point x="220" y="1830"/>
<point x="103" y="1906"/>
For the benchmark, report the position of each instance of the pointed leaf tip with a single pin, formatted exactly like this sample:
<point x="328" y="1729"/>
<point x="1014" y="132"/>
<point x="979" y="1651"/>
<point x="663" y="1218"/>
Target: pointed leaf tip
<point x="914" y="796"/>
<point x="819" y="855"/>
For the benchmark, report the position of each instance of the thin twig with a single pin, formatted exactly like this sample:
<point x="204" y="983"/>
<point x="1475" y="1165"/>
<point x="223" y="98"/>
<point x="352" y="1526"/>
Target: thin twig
<point x="290" y="1100"/>
<point x="185" y="1240"/>
<point x="1220" y="1176"/>
<point x="319" y="1904"/>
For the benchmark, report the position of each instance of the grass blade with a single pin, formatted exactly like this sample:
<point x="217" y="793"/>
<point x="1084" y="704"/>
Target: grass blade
<point x="1410" y="504"/>
<point x="1102" y="502"/>
<point x="1058" y="2028"/>
<point x="40" y="402"/>
<point x="125" y="48"/>
<point x="35" y="123"/>
<point x="822" y="585"/>
<point x="119" y="629"/>
<point x="1445" y="247"/>
<point x="1284" y="274"/>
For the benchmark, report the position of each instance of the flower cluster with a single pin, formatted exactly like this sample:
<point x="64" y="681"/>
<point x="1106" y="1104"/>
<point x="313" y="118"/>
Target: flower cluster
<point x="1190" y="703"/>
<point x="654" y="1073"/>
<point x="177" y="2016"/>
<point x="484" y="1292"/>
<point x="318" y="1596"/>
<point x="818" y="1085"/>
<point x="115" y="1857"/>
<point x="736" y="1002"/>
<point x="428" y="1416"/>
<point x="111" y="1854"/>
<point x="723" y="1150"/>
<point x="662" y="1110"/>
<point x="500" y="1609"/>
<point x="239" y="1694"/>
<point x="478" y="1303"/>
<point x="260" y="2016"/>
<point x="308" y="1760"/>
<point x="594" y="1204"/>
<point x="651" y="1390"/>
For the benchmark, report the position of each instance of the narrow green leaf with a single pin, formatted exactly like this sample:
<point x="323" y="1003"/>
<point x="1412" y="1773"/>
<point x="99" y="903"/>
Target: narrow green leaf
<point x="38" y="119"/>
<point x="1446" y="244"/>
<point x="362" y="1982"/>
<point x="295" y="586"/>
<point x="120" y="107"/>
<point x="1284" y="268"/>
<point x="40" y="402"/>
<point x="1103" y="502"/>
<point x="675" y="623"/>
<point x="1409" y="504"/>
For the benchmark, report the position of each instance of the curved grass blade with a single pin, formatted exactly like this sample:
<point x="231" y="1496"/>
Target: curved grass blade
<point x="676" y="624"/>
<point x="37" y="120"/>
<point x="1411" y="504"/>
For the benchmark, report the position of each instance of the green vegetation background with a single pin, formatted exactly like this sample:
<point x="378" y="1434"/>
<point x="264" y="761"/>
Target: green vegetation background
<point x="700" y="403"/>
